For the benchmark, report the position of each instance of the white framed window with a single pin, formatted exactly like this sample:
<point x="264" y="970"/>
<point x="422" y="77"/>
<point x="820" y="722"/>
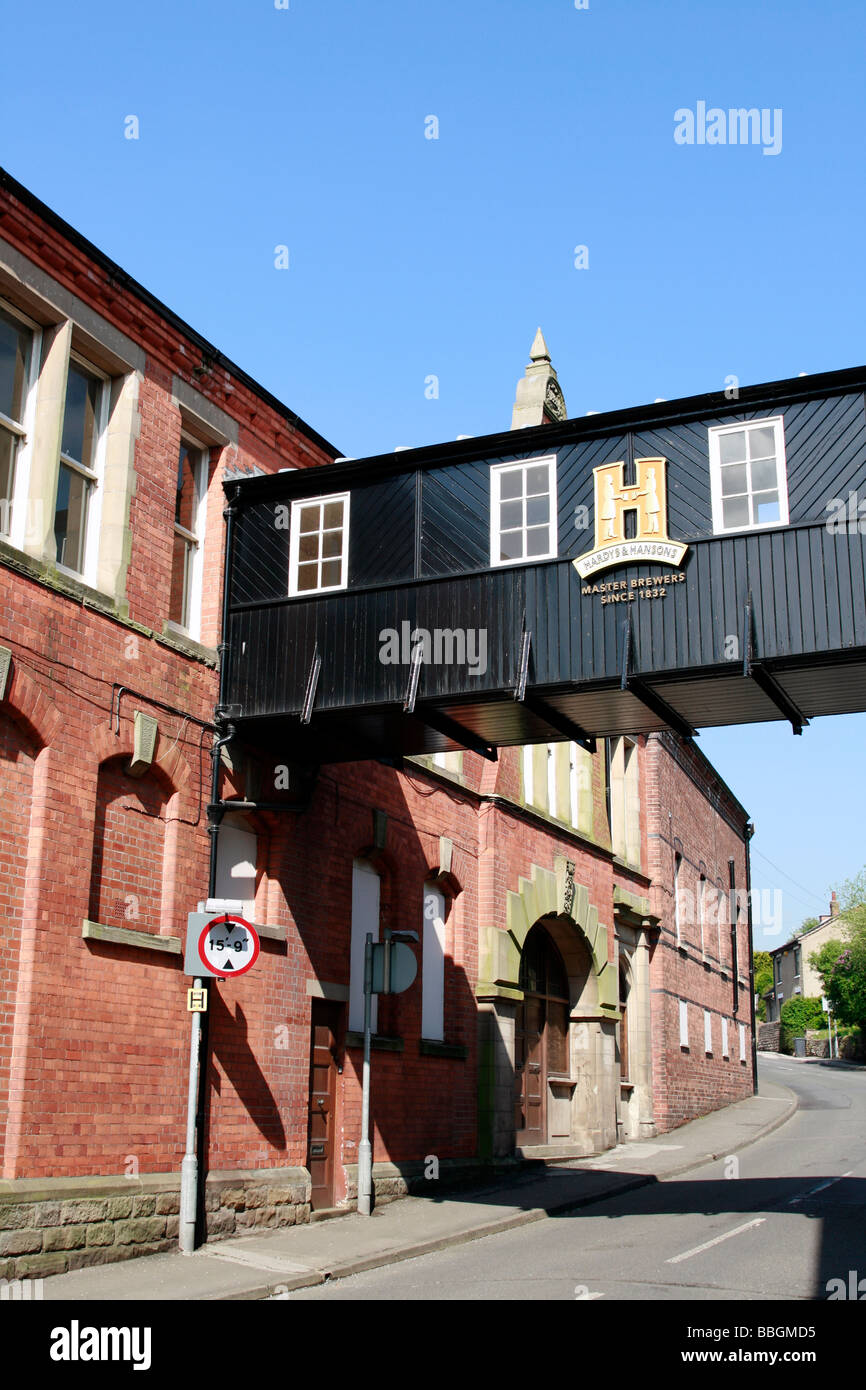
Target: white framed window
<point x="702" y="910"/>
<point x="625" y="800"/>
<point x="528" y="775"/>
<point x="78" y="500"/>
<point x="708" y="1032"/>
<point x="684" y="1023"/>
<point x="433" y="965"/>
<point x="741" y="1030"/>
<point x="184" y="609"/>
<point x="523" y="511"/>
<point x="580" y="787"/>
<point x="748" y="475"/>
<point x="319" y="546"/>
<point x="725" y="1049"/>
<point x="237" y="855"/>
<point x="19" y="366"/>
<point x="551" y="779"/>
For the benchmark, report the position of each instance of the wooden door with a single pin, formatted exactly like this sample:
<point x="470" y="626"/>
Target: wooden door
<point x="530" y="1073"/>
<point x="324" y="1044"/>
<point x="540" y="1035"/>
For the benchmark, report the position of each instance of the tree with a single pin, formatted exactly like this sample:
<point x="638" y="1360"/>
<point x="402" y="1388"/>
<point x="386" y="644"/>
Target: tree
<point x="800" y="1013"/>
<point x="806" y="925"/>
<point x="852" y="892"/>
<point x="841" y="963"/>
<point x="763" y="963"/>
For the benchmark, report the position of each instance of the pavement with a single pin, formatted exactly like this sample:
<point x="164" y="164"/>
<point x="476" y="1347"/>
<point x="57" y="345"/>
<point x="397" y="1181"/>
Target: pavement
<point x="271" y="1263"/>
<point x="837" y="1063"/>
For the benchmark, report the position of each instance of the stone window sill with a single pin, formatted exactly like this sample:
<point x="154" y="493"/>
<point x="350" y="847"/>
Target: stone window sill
<point x="378" y="1042"/>
<point x="180" y="641"/>
<point x="432" y="1047"/>
<point x="131" y="936"/>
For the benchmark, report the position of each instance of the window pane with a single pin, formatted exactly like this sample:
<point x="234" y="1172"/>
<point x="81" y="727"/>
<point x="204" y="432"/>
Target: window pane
<point x="531" y="977"/>
<point x="322" y="539"/>
<point x="14" y="355"/>
<point x="308" y="577"/>
<point x="8" y="448"/>
<point x="736" y="511"/>
<point x="734" y="479"/>
<point x="178" y="606"/>
<point x="766" y="507"/>
<point x="732" y="447"/>
<point x="537" y="481"/>
<point x="188" y="474"/>
<point x="537" y="540"/>
<point x="510" y="515"/>
<point x="511" y="545"/>
<point x="763" y="475"/>
<point x="511" y="484"/>
<point x="537" y="511"/>
<point x="70" y="518"/>
<point x="308" y="547"/>
<point x="79" y="417"/>
<point x="557" y="1039"/>
<point x="762" y="443"/>
<point x="331" y="573"/>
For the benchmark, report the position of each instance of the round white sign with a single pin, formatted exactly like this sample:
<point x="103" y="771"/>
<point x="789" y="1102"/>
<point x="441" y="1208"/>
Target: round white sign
<point x="228" y="945"/>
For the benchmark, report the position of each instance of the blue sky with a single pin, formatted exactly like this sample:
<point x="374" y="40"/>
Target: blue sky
<point x="410" y="257"/>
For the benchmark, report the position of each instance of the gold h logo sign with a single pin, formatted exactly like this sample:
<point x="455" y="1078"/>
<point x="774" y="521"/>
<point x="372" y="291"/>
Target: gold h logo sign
<point x="631" y="520"/>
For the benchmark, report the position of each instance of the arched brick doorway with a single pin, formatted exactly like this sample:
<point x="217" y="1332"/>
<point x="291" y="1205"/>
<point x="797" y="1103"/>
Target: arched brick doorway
<point x="541" y="1035"/>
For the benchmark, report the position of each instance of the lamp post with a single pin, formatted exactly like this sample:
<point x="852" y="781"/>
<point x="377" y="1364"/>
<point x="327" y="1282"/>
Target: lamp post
<point x="394" y="972"/>
<point x="365" y="1152"/>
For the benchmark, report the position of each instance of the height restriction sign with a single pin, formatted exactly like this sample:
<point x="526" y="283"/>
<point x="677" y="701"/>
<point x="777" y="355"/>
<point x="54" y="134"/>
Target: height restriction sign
<point x="227" y="946"/>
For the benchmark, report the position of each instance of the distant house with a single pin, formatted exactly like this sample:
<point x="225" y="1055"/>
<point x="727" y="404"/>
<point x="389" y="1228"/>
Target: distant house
<point x="792" y="973"/>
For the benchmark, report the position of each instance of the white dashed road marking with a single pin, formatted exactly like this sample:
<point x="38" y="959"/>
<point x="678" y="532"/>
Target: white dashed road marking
<point x="687" y="1254"/>
<point x="820" y="1188"/>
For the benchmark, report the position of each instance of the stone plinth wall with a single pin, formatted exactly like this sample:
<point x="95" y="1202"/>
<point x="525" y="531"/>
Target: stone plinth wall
<point x="53" y="1226"/>
<point x="769" y="1037"/>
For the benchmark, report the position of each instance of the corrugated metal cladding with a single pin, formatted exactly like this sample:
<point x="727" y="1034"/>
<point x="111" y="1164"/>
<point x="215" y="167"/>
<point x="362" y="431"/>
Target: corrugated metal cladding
<point x="419" y="555"/>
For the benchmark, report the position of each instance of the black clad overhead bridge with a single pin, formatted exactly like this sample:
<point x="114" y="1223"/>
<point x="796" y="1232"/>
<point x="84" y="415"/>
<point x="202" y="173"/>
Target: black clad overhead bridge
<point x="687" y="564"/>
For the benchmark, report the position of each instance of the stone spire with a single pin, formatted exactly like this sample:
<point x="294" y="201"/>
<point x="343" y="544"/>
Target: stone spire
<point x="539" y="399"/>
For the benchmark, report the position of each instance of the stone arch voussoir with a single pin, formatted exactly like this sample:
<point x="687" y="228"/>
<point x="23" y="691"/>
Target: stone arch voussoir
<point x="31" y="707"/>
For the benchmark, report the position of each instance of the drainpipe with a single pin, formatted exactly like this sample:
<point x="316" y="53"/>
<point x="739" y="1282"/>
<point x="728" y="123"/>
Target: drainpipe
<point x="215" y="809"/>
<point x="197" y="1086"/>
<point x="749" y="832"/>
<point x="733" y="898"/>
<point x="221" y="713"/>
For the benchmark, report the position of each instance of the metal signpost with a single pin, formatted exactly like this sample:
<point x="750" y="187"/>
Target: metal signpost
<point x="219" y="945"/>
<point x="825" y="1005"/>
<point x="389" y="968"/>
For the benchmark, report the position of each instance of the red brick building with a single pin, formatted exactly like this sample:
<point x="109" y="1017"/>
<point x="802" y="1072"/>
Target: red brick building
<point x="559" y="943"/>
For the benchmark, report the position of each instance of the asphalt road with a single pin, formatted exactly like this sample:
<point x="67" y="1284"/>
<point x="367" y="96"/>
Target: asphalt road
<point x="778" y="1221"/>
